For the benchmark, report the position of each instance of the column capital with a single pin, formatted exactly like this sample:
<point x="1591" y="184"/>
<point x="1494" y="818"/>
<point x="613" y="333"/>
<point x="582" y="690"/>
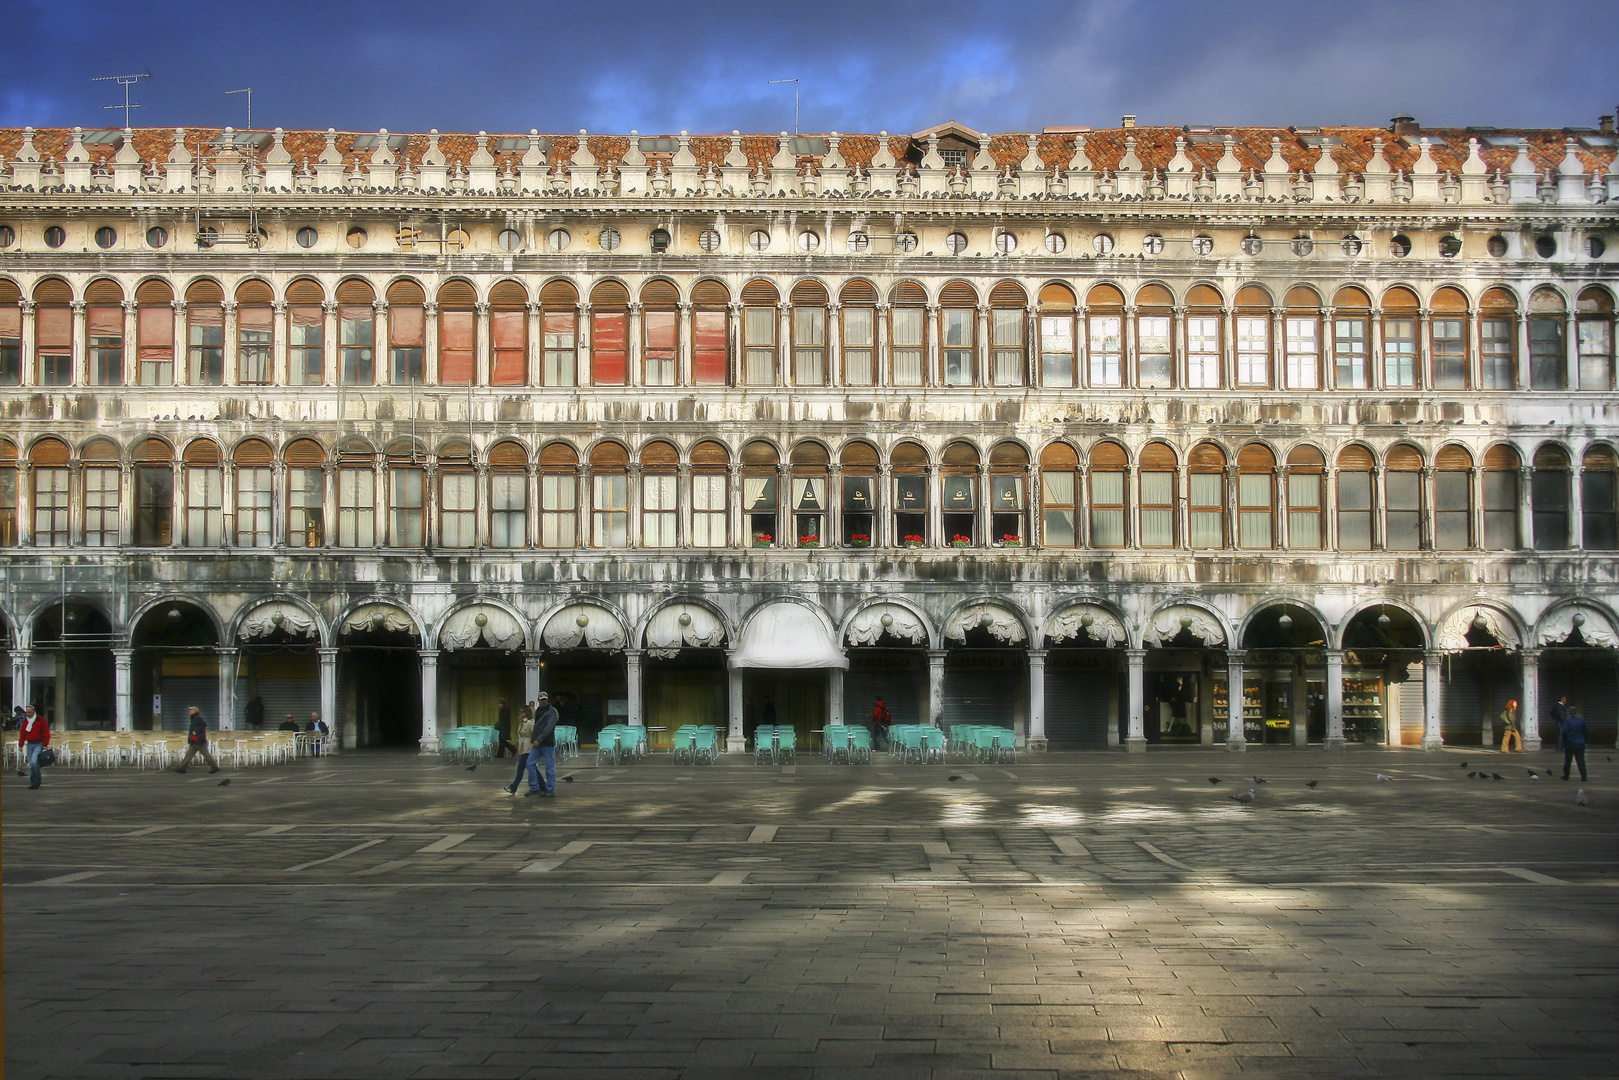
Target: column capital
<point x="328" y="307"/>
<point x="77" y="306"/>
<point x="430" y="308"/>
<point x="328" y="654"/>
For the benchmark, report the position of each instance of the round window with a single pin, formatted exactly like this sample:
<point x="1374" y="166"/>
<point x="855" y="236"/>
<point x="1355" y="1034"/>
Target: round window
<point x="1302" y="246"/>
<point x="659" y="239"/>
<point x="1005" y="243"/>
<point x="1496" y="245"/>
<point x="808" y="240"/>
<point x="758" y="240"/>
<point x="457" y="239"/>
<point x="1595" y="246"/>
<point x="709" y="240"/>
<point x="207" y="236"/>
<point x="1545" y="246"/>
<point x="1152" y="244"/>
<point x="1352" y="246"/>
<point x="1103" y="243"/>
<point x="510" y="240"/>
<point x="356" y="237"/>
<point x="956" y="243"/>
<point x="1252" y="245"/>
<point x="609" y="239"/>
<point x="1056" y="243"/>
<point x="106" y="237"/>
<point x="55" y="236"/>
<point x="1450" y="247"/>
<point x="1202" y="245"/>
<point x="157" y="236"/>
<point x="307" y="237"/>
<point x="906" y="241"/>
<point x="8" y="236"/>
<point x="1400" y="246"/>
<point x="859" y="242"/>
<point x="559" y="239"/>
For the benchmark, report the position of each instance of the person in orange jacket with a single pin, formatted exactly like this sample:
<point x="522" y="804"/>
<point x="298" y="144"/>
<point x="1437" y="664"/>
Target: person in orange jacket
<point x="33" y="736"/>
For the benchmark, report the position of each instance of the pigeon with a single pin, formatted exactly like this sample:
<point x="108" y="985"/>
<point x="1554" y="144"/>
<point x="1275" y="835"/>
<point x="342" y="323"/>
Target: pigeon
<point x="567" y="779"/>
<point x="1383" y="779"/>
<point x="1463" y="765"/>
<point x="952" y="778"/>
<point x="1245" y="798"/>
<point x="1579" y="797"/>
<point x="471" y="767"/>
<point x="1533" y="772"/>
<point x="1214" y="779"/>
<point x="225" y="782"/>
<point x="1311" y="784"/>
<point x="1260" y="780"/>
<point x="1497" y="776"/>
<point x="1472" y="774"/>
<point x="1534" y="776"/>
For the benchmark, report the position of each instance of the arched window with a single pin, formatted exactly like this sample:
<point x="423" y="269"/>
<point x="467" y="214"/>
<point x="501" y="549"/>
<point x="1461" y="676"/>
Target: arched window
<point x="1350" y="340"/>
<point x="1156" y="499"/>
<point x="1402" y="493"/>
<point x="154" y="333"/>
<point x="858" y="319"/>
<point x="1302" y="330"/>
<point x="50" y="458"/>
<point x="1453" y="499"/>
<point x="710" y="502"/>
<point x="1598" y="506"/>
<point x="559" y="496"/>
<point x="1355" y="466"/>
<point x="1104" y="317"/>
<point x="306" y="334"/>
<point x="1059" y="470"/>
<point x="660" y="464"/>
<point x="1447" y="337"/>
<point x="759" y="319"/>
<point x="1057" y="315"/>
<point x="711" y="340"/>
<point x="154" y="494"/>
<point x="457" y="496"/>
<point x="958" y="333"/>
<point x="859" y="462"/>
<point x="1204" y="319"/>
<point x="907" y="333"/>
<point x="1400" y="360"/>
<point x="1109" y="467"/>
<point x="508" y="495"/>
<point x="8" y="493"/>
<point x="1594" y="311"/>
<point x="909" y="464"/>
<point x="1008" y="498"/>
<point x="53" y="333"/>
<point x="306" y="493"/>
<point x="104" y="326"/>
<point x="959" y="494"/>
<point x="609" y="334"/>
<point x="1155" y="337"/>
<point x="205" y="334"/>
<point x="1205" y="496"/>
<point x="255" y="334"/>
<point x="1253" y="336"/>
<point x="205" y="495"/>
<point x="10" y="334"/>
<point x="1498" y="336"/>
<point x="1008" y="307"/>
<point x="356" y="333"/>
<point x="559" y="335"/>
<point x="407" y="494"/>
<point x="1306" y="470"/>
<point x="610" y="496"/>
<point x="1502" y="470"/>
<point x="1548" y="493"/>
<point x="254" y="496"/>
<point x="356" y="495"/>
<point x="660" y="333"/>
<point x="1256" y="497"/>
<point x="457" y="334"/>
<point x="102" y="493"/>
<point x="508" y="334"/>
<point x="809" y="333"/>
<point x="810" y="463"/>
<point x="759" y="471"/>
<point x="1548" y="362"/>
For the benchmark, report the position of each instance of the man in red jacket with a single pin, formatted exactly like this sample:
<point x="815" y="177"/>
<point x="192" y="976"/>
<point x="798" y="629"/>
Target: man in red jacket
<point x="33" y="736"/>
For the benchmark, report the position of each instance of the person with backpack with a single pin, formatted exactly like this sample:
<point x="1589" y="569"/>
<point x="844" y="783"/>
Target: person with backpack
<point x="542" y="750"/>
<point x="881" y="719"/>
<point x="197" y="743"/>
<point x="1574" y="742"/>
<point x="34" y="738"/>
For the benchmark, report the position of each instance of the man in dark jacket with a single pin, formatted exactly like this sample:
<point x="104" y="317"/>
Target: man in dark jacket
<point x="1559" y="714"/>
<point x="197" y="743"/>
<point x="503" y="728"/>
<point x="1574" y="742"/>
<point x="542" y="748"/>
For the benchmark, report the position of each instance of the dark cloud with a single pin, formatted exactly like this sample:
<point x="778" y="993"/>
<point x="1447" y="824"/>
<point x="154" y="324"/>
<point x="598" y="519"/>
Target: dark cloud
<point x="409" y="65"/>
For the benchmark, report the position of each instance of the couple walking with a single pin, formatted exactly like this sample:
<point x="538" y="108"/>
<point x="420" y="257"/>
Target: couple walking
<point x="540" y="735"/>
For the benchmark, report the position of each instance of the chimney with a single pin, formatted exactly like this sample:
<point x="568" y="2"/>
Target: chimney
<point x="1405" y="125"/>
<point x="1605" y="124"/>
<point x="1129" y="120"/>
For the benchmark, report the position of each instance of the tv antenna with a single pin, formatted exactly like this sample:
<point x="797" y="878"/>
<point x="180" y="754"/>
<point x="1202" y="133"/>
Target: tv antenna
<point x="126" y="81"/>
<point x="248" y="90"/>
<point x="773" y="82"/>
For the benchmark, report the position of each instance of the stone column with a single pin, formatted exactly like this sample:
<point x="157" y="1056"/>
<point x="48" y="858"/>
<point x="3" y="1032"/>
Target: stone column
<point x="480" y="504"/>
<point x="25" y="371"/>
<point x="984" y="518"/>
<point x="227" y="688"/>
<point x="1380" y="532"/>
<point x="381" y="354"/>
<point x="1529" y="699"/>
<point x="1037" y="700"/>
<point x="328" y="698"/>
<point x="25" y="503"/>
<point x="882" y="375"/>
<point x="21" y="681"/>
<point x="983" y="373"/>
<point x="733" y="338"/>
<point x="683" y="346"/>
<point x="182" y="345"/>
<point x="1571" y="353"/>
<point x="740" y="537"/>
<point x="430" y="343"/>
<point x="683" y="501"/>
<point x="632" y="674"/>
<point x="1135" y="740"/>
<point x="583" y="370"/>
<point x="1281" y="506"/>
<point x="75" y="505"/>
<point x="784" y="344"/>
<point x="482" y="344"/>
<point x="634" y="354"/>
<point x="131" y="342"/>
<point x="1329" y="508"/>
<point x="123" y="712"/>
<point x="79" y="345"/>
<point x="228" y="375"/>
<point x="1526" y="519"/>
<point x="1430" y="700"/>
<point x="280" y="373"/>
<point x="535" y="340"/>
<point x="1521" y="374"/>
<point x="936" y="686"/>
<point x="429" y="659"/>
<point x="834" y="695"/>
<point x="1335" y="700"/>
<point x="786" y="527"/>
<point x="735" y="740"/>
<point x="1236" y="733"/>
<point x="931" y="373"/>
<point x="1576" y="505"/>
<point x="1233" y="508"/>
<point x="935" y="529"/>
<point x="881" y="525"/>
<point x="1475" y="509"/>
<point x="329" y="375"/>
<point x="834" y="344"/>
<point x="533" y="672"/>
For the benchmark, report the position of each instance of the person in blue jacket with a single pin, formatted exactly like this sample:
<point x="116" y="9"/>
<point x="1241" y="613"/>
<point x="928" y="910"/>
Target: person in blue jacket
<point x="1574" y="741"/>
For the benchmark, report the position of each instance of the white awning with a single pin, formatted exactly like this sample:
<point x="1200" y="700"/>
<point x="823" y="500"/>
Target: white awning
<point x="786" y="636"/>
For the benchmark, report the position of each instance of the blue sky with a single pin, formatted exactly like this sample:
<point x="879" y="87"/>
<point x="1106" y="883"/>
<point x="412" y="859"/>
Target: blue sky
<point x="608" y="66"/>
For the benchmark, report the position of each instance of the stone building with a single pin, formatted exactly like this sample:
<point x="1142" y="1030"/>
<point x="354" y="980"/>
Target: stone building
<point x="1122" y="436"/>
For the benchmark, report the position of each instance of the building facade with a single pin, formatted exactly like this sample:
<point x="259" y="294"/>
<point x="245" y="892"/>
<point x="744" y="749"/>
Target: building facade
<point x="1122" y="436"/>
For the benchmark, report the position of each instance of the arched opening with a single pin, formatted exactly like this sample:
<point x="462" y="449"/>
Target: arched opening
<point x="1549" y="497"/>
<point x="1594" y="315"/>
<point x="1185" y="678"/>
<point x="10" y="334"/>
<point x="69" y="677"/>
<point x="1383" y="677"/>
<point x="1253" y="336"/>
<point x="104" y="327"/>
<point x="909" y="463"/>
<point x="1599" y="499"/>
<point x="1498" y="339"/>
<point x="660" y="463"/>
<point x="859" y="460"/>
<point x="986" y="677"/>
<point x="609" y="334"/>
<point x="660" y="326"/>
<point x="958" y="481"/>
<point x="1302" y="333"/>
<point x="53" y="333"/>
<point x="585" y="671"/>
<point x="480" y="677"/>
<point x="685" y="674"/>
<point x="1008" y="304"/>
<point x="1579" y="662"/>
<point x="1059" y="490"/>
<point x="809" y="301"/>
<point x="887" y="645"/>
<point x="759" y="337"/>
<point x="609" y="496"/>
<point x="508" y="334"/>
<point x="176" y="664"/>
<point x="255" y="333"/>
<point x="559" y="334"/>
<point x="379" y="678"/>
<point x="1057" y="335"/>
<point x="710" y="495"/>
<point x="278" y="668"/>
<point x="306" y="334"/>
<point x="1084" y="673"/>
<point x="559" y="496"/>
<point x="1284" y="667"/>
<point x="1400" y="311"/>
<point x="1548" y="318"/>
<point x="457" y="333"/>
<point x="958" y="334"/>
<point x="760" y="464"/>
<point x="1482" y="671"/>
<point x="1104" y="316"/>
<point x="711" y="338"/>
<point x="810" y="467"/>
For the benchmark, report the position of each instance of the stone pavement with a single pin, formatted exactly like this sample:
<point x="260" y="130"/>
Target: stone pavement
<point x="380" y="915"/>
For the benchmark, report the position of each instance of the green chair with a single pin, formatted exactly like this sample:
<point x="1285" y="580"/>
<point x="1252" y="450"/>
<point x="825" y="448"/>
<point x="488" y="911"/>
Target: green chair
<point x="859" y="744"/>
<point x="607" y="748"/>
<point x="705" y="748"/>
<point x="764" y="743"/>
<point x="786" y="744"/>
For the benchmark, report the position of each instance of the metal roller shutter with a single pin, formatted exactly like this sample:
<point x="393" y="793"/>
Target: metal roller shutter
<point x="1461" y="708"/>
<point x="1411" y="709"/>
<point x="180" y="693"/>
<point x="300" y="697"/>
<point x="979" y="697"/>
<point x="903" y="688"/>
<point x="1077" y="708"/>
